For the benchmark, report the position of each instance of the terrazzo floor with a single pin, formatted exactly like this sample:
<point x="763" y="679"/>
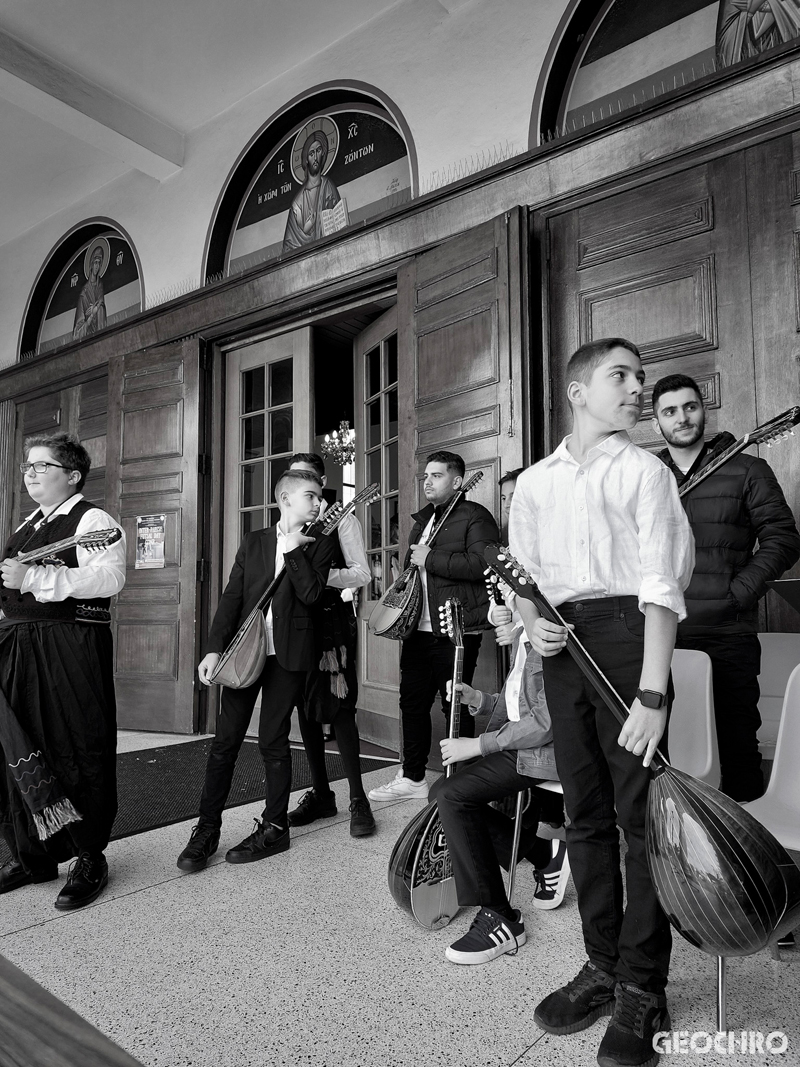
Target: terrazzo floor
<point x="304" y="960"/>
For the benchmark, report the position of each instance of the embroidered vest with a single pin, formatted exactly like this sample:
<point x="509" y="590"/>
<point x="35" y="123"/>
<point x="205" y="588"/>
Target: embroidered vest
<point x="23" y="607"/>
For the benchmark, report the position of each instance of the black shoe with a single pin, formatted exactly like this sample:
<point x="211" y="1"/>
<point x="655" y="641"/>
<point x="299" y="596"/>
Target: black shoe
<point x="265" y="840"/>
<point x="313" y="806"/>
<point x="88" y="877"/>
<point x="579" y="1003"/>
<point x="638" y="1017"/>
<point x="202" y="845"/>
<point x="362" y="822"/>
<point x="784" y="941"/>
<point x="13" y="876"/>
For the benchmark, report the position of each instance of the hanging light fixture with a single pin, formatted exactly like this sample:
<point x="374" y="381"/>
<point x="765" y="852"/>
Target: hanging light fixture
<point x="340" y="446"/>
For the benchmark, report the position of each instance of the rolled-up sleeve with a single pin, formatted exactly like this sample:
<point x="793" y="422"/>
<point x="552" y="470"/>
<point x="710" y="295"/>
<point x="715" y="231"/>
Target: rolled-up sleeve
<point x="666" y="544"/>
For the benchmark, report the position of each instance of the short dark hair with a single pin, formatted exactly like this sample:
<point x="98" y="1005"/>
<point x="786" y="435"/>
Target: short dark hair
<point x="66" y="448"/>
<point x="588" y="357"/>
<point x="293" y="477"/>
<point x="452" y="460"/>
<point x="510" y="476"/>
<point x="313" y="459"/>
<point x="672" y="382"/>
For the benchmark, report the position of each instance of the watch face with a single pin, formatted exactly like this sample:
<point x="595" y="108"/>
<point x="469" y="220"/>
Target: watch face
<point x="650" y="699"/>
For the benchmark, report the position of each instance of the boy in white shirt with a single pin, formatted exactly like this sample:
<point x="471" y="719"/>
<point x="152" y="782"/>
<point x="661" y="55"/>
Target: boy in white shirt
<point x="604" y="534"/>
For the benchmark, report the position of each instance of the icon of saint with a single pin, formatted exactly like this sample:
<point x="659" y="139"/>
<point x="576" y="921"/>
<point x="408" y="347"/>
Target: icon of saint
<point x="746" y="28"/>
<point x="90" y="314"/>
<point x="315" y="195"/>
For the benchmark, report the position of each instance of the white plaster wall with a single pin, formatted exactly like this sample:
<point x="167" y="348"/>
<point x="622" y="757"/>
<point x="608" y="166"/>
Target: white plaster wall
<point x="463" y="78"/>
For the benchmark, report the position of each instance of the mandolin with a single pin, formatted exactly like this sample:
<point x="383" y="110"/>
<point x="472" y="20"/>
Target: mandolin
<point x="93" y="541"/>
<point x="397" y="612"/>
<point x="725" y="883"/>
<point x="420" y="871"/>
<point x="243" y="660"/>
<point x="774" y="430"/>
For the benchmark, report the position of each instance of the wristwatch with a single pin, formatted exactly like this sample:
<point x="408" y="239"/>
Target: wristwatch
<point x="648" y="698"/>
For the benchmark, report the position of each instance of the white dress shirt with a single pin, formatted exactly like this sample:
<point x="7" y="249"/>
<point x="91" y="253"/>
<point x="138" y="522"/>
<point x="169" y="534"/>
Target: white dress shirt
<point x="98" y="574"/>
<point x="424" y="623"/>
<point x="612" y="525"/>
<point x="355" y="572"/>
<point x="280" y="551"/>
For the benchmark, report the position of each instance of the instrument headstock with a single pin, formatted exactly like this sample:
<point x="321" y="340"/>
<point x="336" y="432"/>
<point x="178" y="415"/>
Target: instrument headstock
<point x="97" y="539"/>
<point x="776" y="429"/>
<point x="508" y="568"/>
<point x="471" y="482"/>
<point x="451" y="617"/>
<point x="336" y="512"/>
<point x="493" y="586"/>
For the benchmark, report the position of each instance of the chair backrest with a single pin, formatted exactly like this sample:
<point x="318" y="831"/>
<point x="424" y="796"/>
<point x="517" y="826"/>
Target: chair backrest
<point x="780" y="654"/>
<point x="784" y="782"/>
<point x="692" y="729"/>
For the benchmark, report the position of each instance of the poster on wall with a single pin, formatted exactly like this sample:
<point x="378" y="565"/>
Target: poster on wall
<point x="641" y="50"/>
<point x="98" y="287"/>
<point x="150" y="532"/>
<point x="337" y="169"/>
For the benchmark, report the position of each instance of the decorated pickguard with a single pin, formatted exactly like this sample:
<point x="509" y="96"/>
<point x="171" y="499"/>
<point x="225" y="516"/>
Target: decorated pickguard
<point x="433" y="858"/>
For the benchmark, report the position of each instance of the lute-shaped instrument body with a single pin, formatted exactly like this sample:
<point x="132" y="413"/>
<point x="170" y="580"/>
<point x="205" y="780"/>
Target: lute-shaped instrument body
<point x="420" y="871"/>
<point x="726" y="884"/>
<point x="397" y="612"/>
<point x="243" y="660"/>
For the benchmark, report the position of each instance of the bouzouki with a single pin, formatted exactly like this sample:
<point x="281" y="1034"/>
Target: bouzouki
<point x="397" y="612"/>
<point x="92" y="542"/>
<point x="725" y="883"/>
<point x="420" y="871"/>
<point x="774" y="430"/>
<point x="243" y="660"/>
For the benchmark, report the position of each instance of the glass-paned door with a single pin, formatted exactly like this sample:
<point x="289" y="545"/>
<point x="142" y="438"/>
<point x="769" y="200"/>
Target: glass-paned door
<point x="378" y="402"/>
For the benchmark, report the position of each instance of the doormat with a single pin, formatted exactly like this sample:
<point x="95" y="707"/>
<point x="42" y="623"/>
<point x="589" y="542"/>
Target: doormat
<point x="160" y="786"/>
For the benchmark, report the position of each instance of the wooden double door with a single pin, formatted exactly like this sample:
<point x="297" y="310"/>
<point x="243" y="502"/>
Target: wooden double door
<point x="700" y="270"/>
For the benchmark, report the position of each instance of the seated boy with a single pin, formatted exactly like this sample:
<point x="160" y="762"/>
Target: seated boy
<point x="517" y="752"/>
<point x="605" y="536"/>
<point x="290" y="655"/>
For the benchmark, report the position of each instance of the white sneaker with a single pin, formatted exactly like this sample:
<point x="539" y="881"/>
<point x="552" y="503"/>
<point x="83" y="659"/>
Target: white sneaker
<point x="400" y="788"/>
<point x="551" y="881"/>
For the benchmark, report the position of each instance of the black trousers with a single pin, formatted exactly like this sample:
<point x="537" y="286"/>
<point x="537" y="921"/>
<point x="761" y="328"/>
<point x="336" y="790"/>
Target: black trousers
<point x="606" y="786"/>
<point x="426" y="665"/>
<point x="735" y="667"/>
<point x="479" y="838"/>
<point x="281" y="691"/>
<point x="345" y="730"/>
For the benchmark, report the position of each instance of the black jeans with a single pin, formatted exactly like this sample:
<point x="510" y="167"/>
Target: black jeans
<point x="606" y="786"/>
<point x="426" y="665"/>
<point x="345" y="730"/>
<point x="479" y="838"/>
<point x="281" y="691"/>
<point x="735" y="667"/>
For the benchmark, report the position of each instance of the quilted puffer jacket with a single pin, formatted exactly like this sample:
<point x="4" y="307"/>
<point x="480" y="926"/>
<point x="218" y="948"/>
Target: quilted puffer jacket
<point x="455" y="565"/>
<point x="739" y="505"/>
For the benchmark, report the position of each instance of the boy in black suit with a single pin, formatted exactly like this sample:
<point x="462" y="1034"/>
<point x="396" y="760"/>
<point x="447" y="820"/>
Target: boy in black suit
<point x="290" y="655"/>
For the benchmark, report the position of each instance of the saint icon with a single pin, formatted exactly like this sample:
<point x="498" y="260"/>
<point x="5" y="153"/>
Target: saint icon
<point x="90" y="314"/>
<point x="317" y="192"/>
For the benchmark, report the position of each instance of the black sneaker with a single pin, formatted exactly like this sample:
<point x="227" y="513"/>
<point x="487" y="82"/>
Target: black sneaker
<point x="579" y="1003"/>
<point x="362" y="822"/>
<point x="267" y="839"/>
<point x="202" y="845"/>
<point x="638" y="1017"/>
<point x="88" y="877"/>
<point x="312" y="806"/>
<point x="489" y="936"/>
<point x="551" y="881"/>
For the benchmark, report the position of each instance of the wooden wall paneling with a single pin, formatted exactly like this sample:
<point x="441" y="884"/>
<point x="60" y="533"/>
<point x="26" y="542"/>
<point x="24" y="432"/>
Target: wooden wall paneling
<point x="9" y="476"/>
<point x="774" y="216"/>
<point x="154" y="421"/>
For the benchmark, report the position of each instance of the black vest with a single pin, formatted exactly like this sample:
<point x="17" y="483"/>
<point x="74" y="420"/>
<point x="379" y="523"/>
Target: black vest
<point x="23" y="607"/>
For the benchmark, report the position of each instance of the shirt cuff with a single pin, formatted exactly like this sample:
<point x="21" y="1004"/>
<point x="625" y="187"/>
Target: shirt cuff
<point x="665" y="592"/>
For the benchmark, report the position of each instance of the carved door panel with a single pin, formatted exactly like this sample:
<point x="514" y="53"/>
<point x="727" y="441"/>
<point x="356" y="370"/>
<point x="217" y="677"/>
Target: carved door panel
<point x="154" y="420"/>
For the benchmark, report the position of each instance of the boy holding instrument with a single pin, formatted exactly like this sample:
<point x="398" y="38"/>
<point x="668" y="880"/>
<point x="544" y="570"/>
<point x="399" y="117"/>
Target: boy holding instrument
<point x="602" y="531"/>
<point x="290" y="656"/>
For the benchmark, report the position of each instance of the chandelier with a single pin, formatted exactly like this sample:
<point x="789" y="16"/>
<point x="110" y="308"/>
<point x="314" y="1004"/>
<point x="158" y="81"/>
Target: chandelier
<point x="340" y="446"/>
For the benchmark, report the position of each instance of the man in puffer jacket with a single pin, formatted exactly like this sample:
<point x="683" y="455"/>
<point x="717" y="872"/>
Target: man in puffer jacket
<point x="452" y="567"/>
<point x="737" y="507"/>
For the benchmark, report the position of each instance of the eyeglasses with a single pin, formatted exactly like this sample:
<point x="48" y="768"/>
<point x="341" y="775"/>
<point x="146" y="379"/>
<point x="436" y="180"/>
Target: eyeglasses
<point x="40" y="467"/>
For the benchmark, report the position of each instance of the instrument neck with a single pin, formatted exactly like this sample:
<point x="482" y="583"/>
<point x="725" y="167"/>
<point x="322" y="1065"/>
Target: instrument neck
<point x="714" y="465"/>
<point x="437" y="526"/>
<point x="455" y="699"/>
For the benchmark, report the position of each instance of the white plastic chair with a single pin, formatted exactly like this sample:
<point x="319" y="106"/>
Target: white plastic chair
<point x="779" y="808"/>
<point x="692" y="728"/>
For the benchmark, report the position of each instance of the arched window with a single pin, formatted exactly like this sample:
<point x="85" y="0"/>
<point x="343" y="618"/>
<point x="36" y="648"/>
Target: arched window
<point x="91" y="280"/>
<point x="622" y="54"/>
<point x="331" y="160"/>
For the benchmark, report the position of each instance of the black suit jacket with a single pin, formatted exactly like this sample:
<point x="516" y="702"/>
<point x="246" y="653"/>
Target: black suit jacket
<point x="303" y="585"/>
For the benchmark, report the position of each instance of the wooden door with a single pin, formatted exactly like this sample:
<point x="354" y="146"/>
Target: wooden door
<point x="377" y="407"/>
<point x="700" y="270"/>
<point x="464" y="368"/>
<point x="155" y="424"/>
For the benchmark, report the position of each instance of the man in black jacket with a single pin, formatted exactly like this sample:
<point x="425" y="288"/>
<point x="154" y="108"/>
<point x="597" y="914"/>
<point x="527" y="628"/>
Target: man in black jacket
<point x="737" y="506"/>
<point x="453" y="567"/>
